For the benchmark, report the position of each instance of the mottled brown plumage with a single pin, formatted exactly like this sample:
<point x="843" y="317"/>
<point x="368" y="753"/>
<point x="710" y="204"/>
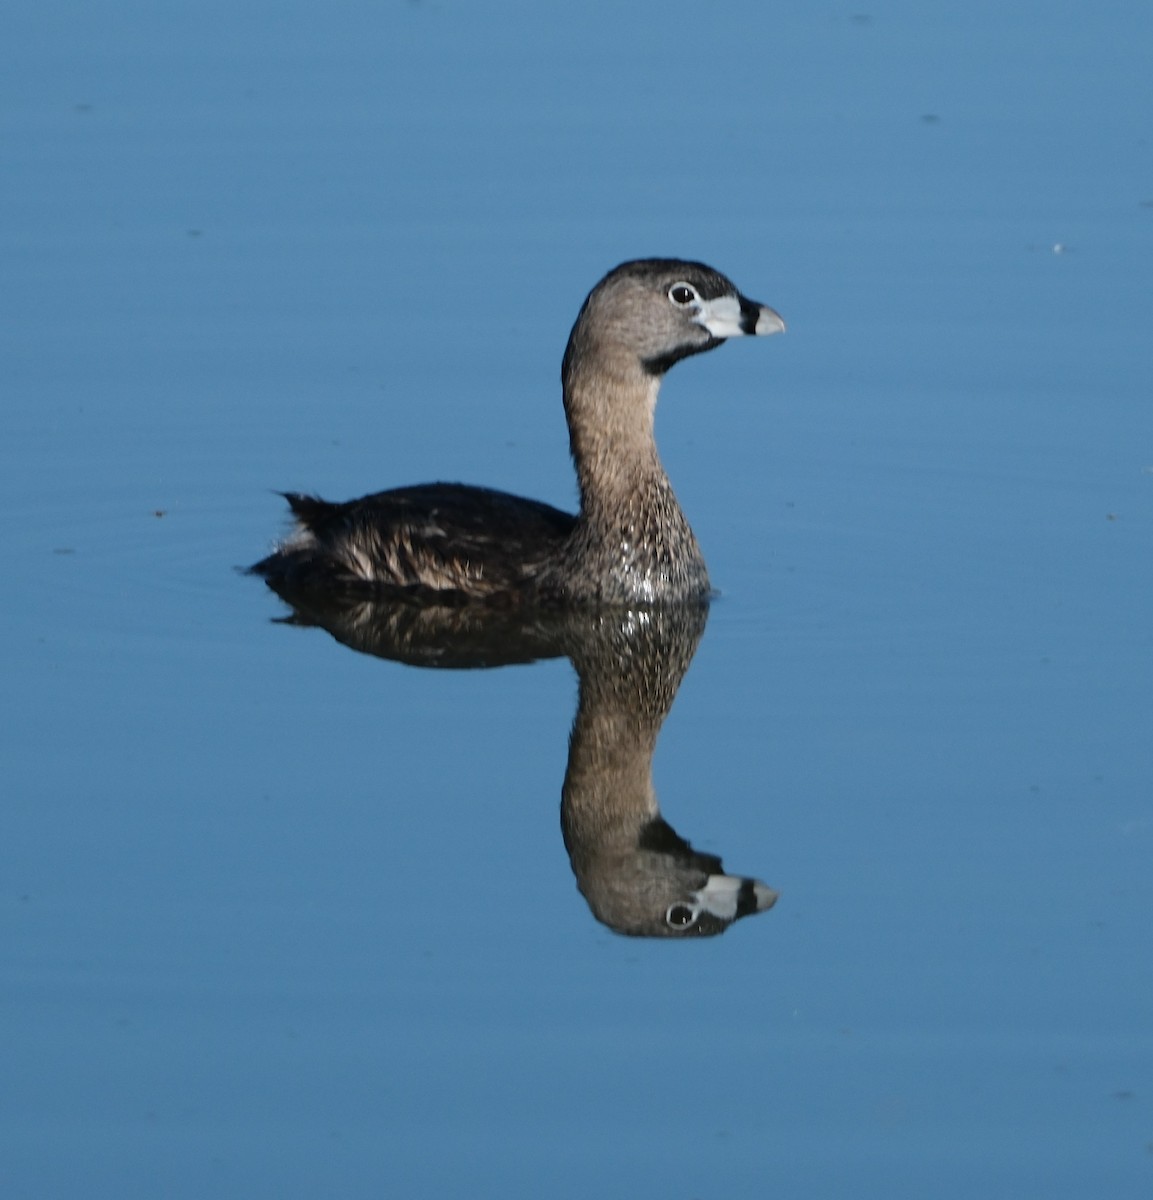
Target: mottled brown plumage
<point x="629" y="544"/>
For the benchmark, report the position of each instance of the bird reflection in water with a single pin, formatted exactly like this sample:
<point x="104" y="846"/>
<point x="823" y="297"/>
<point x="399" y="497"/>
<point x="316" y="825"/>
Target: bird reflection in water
<point x="637" y="874"/>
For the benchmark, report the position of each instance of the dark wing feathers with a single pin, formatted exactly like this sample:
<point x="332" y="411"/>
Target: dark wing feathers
<point x="438" y="538"/>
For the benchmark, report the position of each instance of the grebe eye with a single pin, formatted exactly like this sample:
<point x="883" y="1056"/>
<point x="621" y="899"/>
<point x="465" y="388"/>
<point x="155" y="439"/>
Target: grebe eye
<point x="680" y="916"/>
<point x="682" y="294"/>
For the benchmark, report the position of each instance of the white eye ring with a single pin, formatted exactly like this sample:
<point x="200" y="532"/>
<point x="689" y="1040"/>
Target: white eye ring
<point x="680" y="915"/>
<point x="683" y="294"/>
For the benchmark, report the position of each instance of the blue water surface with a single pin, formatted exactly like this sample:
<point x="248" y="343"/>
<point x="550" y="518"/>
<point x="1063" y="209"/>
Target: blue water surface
<point x="281" y="919"/>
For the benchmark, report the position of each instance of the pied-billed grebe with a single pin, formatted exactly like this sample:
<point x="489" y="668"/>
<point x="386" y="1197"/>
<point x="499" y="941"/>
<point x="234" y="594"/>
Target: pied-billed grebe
<point x="629" y="544"/>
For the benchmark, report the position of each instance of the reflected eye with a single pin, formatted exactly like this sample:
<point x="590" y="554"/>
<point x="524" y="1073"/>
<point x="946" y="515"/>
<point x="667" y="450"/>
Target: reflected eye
<point x="682" y="294"/>
<point x="680" y="916"/>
